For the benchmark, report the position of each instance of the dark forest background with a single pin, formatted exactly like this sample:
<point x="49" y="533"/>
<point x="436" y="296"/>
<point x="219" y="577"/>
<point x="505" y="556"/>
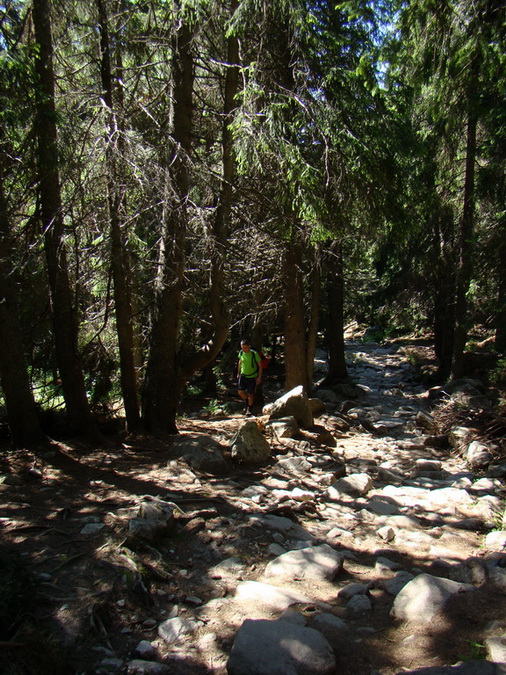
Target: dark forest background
<point x="177" y="174"/>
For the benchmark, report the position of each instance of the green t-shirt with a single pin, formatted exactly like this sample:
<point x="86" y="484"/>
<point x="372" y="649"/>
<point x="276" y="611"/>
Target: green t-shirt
<point x="249" y="363"/>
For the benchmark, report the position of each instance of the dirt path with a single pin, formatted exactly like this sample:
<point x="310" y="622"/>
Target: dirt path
<point x="85" y="595"/>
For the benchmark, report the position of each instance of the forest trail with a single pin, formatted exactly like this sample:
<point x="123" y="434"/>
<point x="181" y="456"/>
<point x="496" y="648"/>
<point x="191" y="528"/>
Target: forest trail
<point x="326" y="536"/>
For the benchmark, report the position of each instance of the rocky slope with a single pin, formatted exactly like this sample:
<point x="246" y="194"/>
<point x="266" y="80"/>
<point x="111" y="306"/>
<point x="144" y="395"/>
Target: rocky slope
<point x="365" y="545"/>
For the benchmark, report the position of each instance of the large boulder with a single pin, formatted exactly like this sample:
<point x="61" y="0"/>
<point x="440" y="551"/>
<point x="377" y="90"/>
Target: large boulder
<point x="280" y="647"/>
<point x="249" y="445"/>
<point x="294" y="403"/>
<point x="425" y="597"/>
<point x="202" y="453"/>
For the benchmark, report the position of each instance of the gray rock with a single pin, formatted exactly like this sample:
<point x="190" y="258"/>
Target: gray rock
<point x="469" y="668"/>
<point x="318" y="406"/>
<point x="173" y="629"/>
<point x="294" y="403"/>
<point x="286" y="649"/>
<point x="496" y="649"/>
<point x="317" y="562"/>
<point x="395" y="584"/>
<point x="284" y="427"/>
<point x="478" y="455"/>
<point x="274" y="598"/>
<point x="496" y="541"/>
<point x="293" y="465"/>
<point x="424" y="597"/>
<point x="249" y="445"/>
<point x="352" y="589"/>
<point x="353" y="485"/>
<point x="359" y="604"/>
<point x="139" y="667"/>
<point x="202" y="453"/>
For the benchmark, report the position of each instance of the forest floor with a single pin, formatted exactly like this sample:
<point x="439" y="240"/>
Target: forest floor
<point x="79" y="595"/>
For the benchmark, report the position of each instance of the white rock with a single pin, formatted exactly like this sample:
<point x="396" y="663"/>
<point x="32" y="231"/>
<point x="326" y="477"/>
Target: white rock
<point x="424" y="597"/>
<point x="496" y="540"/>
<point x="318" y="562"/>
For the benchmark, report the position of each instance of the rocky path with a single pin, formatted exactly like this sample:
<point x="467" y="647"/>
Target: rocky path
<point x="364" y="547"/>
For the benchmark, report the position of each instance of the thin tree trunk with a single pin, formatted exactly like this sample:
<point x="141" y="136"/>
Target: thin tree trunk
<point x="22" y="418"/>
<point x="312" y="332"/>
<point x="466" y="248"/>
<point x="62" y="300"/>
<point x="500" y="319"/>
<point x="120" y="259"/>
<point x="295" y="343"/>
<point x="335" y="321"/>
<point x="163" y="382"/>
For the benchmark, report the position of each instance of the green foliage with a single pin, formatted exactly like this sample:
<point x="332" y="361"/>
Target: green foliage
<point x="498" y="375"/>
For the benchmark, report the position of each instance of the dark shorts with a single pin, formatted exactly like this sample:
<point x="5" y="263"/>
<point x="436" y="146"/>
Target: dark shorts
<point x="248" y="384"/>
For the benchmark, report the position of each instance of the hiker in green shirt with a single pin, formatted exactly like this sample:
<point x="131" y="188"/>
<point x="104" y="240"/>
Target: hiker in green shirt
<point x="249" y="375"/>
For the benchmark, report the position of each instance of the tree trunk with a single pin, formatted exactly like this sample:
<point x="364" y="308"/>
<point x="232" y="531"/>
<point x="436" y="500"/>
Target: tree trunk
<point x="464" y="270"/>
<point x="62" y="300"/>
<point x="21" y="412"/>
<point x="165" y="375"/>
<point x="335" y="321"/>
<point x="500" y="319"/>
<point x="163" y="382"/>
<point x="295" y="343"/>
<point x="314" y="319"/>
<point x="120" y="258"/>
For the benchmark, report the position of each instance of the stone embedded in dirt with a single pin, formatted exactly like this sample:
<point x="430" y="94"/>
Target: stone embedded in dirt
<point x="286" y="649"/>
<point x="317" y="562"/>
<point x="273" y="597"/>
<point x="145" y="650"/>
<point x="478" y="456"/>
<point x="327" y="396"/>
<point x="249" y="445"/>
<point x="139" y="667"/>
<point x="355" y="484"/>
<point x="294" y="403"/>
<point x="395" y="584"/>
<point x="202" y="453"/>
<point x="426" y="421"/>
<point x="496" y="541"/>
<point x="460" y="437"/>
<point x="469" y="668"/>
<point x="284" y="427"/>
<point x="359" y="604"/>
<point x="291" y="465"/>
<point x="173" y="629"/>
<point x="318" y="406"/>
<point x="424" y="597"/>
<point x="496" y="648"/>
<point x="352" y="589"/>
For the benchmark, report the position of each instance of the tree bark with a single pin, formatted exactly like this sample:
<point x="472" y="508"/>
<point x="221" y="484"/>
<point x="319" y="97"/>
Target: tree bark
<point x="314" y="319"/>
<point x="335" y="320"/>
<point x="164" y="381"/>
<point x="295" y="341"/>
<point x="61" y="296"/>
<point x="120" y="258"/>
<point x="166" y="376"/>
<point x="466" y="244"/>
<point x="500" y="319"/>
<point x="22" y="417"/>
